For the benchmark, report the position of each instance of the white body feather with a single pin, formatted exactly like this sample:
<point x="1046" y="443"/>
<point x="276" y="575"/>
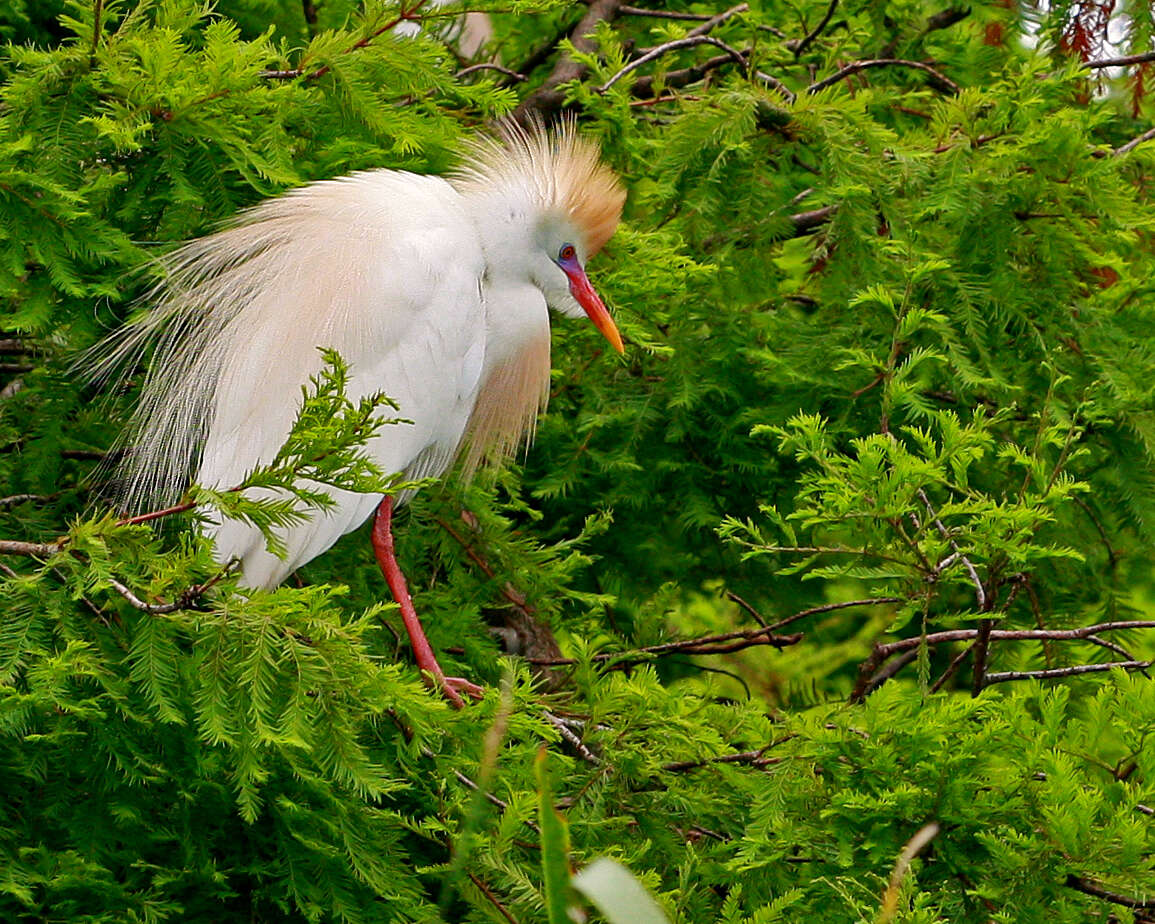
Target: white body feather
<point x="428" y="289"/>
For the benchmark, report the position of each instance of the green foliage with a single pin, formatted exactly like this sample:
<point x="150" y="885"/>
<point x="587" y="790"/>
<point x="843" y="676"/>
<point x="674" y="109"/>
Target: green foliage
<point x="889" y="385"/>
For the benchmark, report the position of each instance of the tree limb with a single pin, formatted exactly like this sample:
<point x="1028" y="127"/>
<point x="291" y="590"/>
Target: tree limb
<point x="802" y="44"/>
<point x="547" y="99"/>
<point x="1090" y="887"/>
<point x="662" y="49"/>
<point x="850" y="70"/>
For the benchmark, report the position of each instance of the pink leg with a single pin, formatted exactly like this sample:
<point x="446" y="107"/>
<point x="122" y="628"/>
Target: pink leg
<point x="452" y="687"/>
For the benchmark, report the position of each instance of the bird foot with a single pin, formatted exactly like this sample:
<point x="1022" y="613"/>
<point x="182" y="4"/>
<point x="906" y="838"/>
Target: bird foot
<point x="453" y="687"/>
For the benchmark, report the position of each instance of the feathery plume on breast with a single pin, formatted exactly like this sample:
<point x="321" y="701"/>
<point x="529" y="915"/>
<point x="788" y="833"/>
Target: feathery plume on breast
<point x="559" y="168"/>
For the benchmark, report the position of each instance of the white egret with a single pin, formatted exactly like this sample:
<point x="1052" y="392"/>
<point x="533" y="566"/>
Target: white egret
<point x="434" y="290"/>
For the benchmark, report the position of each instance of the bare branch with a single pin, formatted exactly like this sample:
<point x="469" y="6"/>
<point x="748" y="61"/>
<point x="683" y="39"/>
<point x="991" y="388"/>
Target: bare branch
<point x="944" y="19"/>
<point x="816" y="31"/>
<point x="643" y="87"/>
<point x="805" y="222"/>
<point x="724" y="643"/>
<point x="851" y="69"/>
<point x="13" y="499"/>
<point x="829" y="607"/>
<point x="714" y="21"/>
<point x="548" y="98"/>
<point x="490" y="66"/>
<point x="1123" y="61"/>
<point x="1134" y="143"/>
<point x="1073" y="671"/>
<point x="980" y="592"/>
<point x="755" y="758"/>
<point x="33" y="549"/>
<point x="404" y="15"/>
<point x="1089" y="887"/>
<point x="881" y="653"/>
<point x="571" y="738"/>
<point x="660" y="50"/>
<point x="662" y="14"/>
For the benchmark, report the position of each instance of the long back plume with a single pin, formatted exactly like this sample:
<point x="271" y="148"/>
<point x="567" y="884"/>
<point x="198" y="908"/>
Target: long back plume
<point x="206" y="284"/>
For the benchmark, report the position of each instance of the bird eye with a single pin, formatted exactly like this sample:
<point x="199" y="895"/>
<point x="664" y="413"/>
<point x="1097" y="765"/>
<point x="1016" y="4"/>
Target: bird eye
<point x="567" y="252"/>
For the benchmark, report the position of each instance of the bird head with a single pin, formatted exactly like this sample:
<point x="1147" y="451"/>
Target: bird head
<point x="556" y="204"/>
<point x="559" y="273"/>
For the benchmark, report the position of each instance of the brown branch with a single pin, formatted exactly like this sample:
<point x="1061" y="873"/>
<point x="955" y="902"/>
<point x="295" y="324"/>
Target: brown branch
<point x="1134" y="143"/>
<point x="714" y="21"/>
<point x="662" y="14"/>
<point x="946" y="18"/>
<point x="829" y="607"/>
<point x="33" y="549"/>
<point x="643" y="87"/>
<point x="805" y="222"/>
<point x="881" y="653"/>
<point x="659" y="50"/>
<point x="515" y="597"/>
<point x="1092" y="888"/>
<point x="490" y="66"/>
<point x="724" y="643"/>
<point x="404" y="15"/>
<point x="850" y="70"/>
<point x="981" y="649"/>
<point x="1120" y="62"/>
<point x="493" y="899"/>
<point x="755" y="758"/>
<point x="13" y="499"/>
<point x="801" y="45"/>
<point x="157" y="514"/>
<point x="1074" y="671"/>
<point x="547" y="99"/>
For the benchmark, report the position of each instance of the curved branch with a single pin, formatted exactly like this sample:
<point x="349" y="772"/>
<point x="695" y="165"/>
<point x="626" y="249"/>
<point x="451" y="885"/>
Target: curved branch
<point x="851" y="69"/>
<point x="662" y="49"/>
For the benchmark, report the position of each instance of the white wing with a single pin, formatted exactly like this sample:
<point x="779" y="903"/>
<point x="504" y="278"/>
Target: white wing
<point x="384" y="267"/>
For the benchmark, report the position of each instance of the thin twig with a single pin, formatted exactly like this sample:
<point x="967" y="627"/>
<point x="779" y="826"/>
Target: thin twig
<point x="730" y="595"/>
<point x="643" y="87"/>
<point x="156" y="514"/>
<point x="13" y="499"/>
<point x="714" y="21"/>
<point x="1121" y="62"/>
<point x="662" y="14"/>
<point x="33" y="549"/>
<point x="709" y="644"/>
<point x="828" y="607"/>
<point x="574" y="741"/>
<point x="1074" y="671"/>
<point x="1089" y="887"/>
<point x="659" y="50"/>
<point x="980" y="592"/>
<point x="756" y="758"/>
<point x="403" y="15"/>
<point x="493" y="899"/>
<point x="816" y="31"/>
<point x="851" y="69"/>
<point x="490" y="66"/>
<point x="548" y="98"/>
<point x="1134" y="143"/>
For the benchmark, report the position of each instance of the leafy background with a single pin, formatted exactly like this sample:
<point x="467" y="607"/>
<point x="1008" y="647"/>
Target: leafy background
<point x="853" y="541"/>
